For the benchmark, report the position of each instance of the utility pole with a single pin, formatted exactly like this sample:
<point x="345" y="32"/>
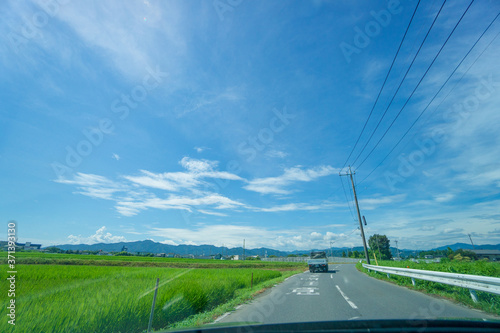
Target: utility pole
<point x="243" y="249"/>
<point x="359" y="216"/>
<point x="397" y="248"/>
<point x="471" y="241"/>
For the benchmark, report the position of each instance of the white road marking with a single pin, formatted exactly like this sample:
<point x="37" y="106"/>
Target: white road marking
<point x="346" y="298"/>
<point x="222" y="317"/>
<point x="331" y="276"/>
<point x="306" y="291"/>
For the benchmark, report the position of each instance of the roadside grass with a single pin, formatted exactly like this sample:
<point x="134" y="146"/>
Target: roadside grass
<point x="487" y="302"/>
<point x="241" y="296"/>
<point x="59" y="298"/>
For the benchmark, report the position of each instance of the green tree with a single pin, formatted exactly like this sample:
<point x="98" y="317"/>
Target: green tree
<point x="355" y="254"/>
<point x="53" y="249"/>
<point x="380" y="244"/>
<point x="343" y="254"/>
<point x="122" y="253"/>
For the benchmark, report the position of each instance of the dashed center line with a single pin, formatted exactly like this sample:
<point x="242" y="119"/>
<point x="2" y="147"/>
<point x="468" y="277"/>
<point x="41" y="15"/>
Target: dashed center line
<point x="346" y="298"/>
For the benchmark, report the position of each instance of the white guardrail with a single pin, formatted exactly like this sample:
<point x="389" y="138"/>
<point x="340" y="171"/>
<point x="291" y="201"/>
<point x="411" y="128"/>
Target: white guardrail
<point x="471" y="282"/>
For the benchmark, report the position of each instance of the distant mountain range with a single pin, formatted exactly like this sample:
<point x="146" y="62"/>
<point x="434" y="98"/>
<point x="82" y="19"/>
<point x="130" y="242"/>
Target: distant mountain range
<point x="206" y="250"/>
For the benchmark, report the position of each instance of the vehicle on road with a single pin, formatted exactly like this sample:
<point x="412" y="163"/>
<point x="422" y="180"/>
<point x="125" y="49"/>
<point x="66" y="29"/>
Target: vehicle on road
<point x="318" y="262"/>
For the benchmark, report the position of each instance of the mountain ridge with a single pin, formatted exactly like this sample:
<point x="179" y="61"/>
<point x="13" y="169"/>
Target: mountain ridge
<point x="207" y="250"/>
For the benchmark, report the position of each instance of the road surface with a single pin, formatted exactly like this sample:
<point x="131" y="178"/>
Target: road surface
<point x="344" y="293"/>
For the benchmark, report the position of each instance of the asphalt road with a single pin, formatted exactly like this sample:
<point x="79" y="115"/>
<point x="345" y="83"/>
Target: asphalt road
<point x="344" y="294"/>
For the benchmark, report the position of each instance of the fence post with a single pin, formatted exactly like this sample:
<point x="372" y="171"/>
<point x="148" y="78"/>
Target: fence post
<point x="473" y="295"/>
<point x="153" y="306"/>
<point x="413" y="281"/>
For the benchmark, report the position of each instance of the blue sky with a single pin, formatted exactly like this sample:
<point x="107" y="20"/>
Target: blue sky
<point x="210" y="122"/>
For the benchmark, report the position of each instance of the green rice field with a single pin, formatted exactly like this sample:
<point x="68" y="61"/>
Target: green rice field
<point x="85" y="298"/>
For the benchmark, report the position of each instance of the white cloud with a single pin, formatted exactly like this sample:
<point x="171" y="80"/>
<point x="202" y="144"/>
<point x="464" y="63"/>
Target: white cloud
<point x="195" y="165"/>
<point x="94" y="186"/>
<point x="116" y="156"/>
<point x="177" y="181"/>
<point x="211" y="213"/>
<point x="255" y="237"/>
<point x="189" y="189"/>
<point x="277" y="153"/>
<point x="130" y="208"/>
<point x="125" y="37"/>
<point x="444" y="197"/>
<point x="276" y="185"/>
<point x="315" y="235"/>
<point x="299" y="206"/>
<point x="372" y="203"/>
<point x="100" y="236"/>
<point x="200" y="149"/>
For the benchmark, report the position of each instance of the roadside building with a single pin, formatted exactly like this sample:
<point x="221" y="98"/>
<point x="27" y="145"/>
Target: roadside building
<point x="21" y="246"/>
<point x="492" y="255"/>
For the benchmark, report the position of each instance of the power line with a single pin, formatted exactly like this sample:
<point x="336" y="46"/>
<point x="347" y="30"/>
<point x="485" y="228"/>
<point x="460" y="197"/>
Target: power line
<point x="401" y="83"/>
<point x="442" y="86"/>
<point x="383" y="85"/>
<point x="418" y="84"/>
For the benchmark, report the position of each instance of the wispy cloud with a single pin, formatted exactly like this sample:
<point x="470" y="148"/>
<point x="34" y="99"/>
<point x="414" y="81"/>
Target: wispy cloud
<point x="277" y="185"/>
<point x="189" y="190"/>
<point x="176" y="181"/>
<point x="444" y="197"/>
<point x="129" y="208"/>
<point x="372" y="203"/>
<point x="276" y="153"/>
<point x="299" y="206"/>
<point x="231" y="235"/>
<point x="94" y="186"/>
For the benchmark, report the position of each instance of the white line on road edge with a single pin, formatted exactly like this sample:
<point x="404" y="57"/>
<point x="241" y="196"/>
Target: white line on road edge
<point x="222" y="317"/>
<point x="346" y="298"/>
<point x="331" y="276"/>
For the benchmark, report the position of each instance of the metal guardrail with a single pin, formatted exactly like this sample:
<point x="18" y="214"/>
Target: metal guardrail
<point x="472" y="282"/>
